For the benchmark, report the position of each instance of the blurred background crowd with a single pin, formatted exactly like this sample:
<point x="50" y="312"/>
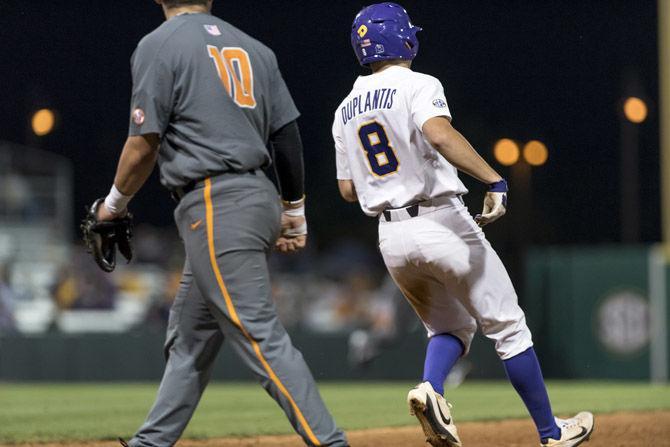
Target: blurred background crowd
<point x="49" y="283"/>
<point x="339" y="290"/>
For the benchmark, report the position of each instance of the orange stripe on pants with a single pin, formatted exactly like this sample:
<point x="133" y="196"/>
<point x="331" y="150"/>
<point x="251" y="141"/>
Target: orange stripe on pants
<point x="209" y="211"/>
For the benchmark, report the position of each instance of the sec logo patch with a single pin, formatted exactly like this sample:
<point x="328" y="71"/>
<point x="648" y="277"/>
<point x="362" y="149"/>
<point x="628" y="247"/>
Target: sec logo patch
<point x="138" y="117"/>
<point x="439" y="103"/>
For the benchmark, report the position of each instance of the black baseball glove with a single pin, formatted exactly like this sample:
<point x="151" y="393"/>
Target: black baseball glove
<point x="102" y="238"/>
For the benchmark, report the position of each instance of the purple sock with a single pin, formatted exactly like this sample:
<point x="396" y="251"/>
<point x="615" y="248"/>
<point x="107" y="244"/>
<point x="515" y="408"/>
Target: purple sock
<point x="523" y="370"/>
<point x="443" y="352"/>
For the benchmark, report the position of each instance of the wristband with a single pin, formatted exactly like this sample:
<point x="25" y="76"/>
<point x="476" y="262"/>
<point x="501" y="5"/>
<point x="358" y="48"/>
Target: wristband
<point x="288" y="204"/>
<point x="116" y="202"/>
<point x="499" y="186"/>
<point x="295" y="232"/>
<point x="299" y="211"/>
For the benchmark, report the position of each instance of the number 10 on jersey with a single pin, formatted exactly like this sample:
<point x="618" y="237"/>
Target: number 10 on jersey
<point x="377" y="148"/>
<point x="237" y="75"/>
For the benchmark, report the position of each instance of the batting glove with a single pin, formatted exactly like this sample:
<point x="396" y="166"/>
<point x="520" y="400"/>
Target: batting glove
<point x="495" y="203"/>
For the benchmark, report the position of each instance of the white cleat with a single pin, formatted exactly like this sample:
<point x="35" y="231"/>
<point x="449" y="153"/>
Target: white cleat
<point x="434" y="415"/>
<point x="574" y="431"/>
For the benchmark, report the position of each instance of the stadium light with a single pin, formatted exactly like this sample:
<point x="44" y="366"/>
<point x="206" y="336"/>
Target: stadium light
<point x="535" y="153"/>
<point x="635" y="110"/>
<point x="43" y="122"/>
<point x="506" y="152"/>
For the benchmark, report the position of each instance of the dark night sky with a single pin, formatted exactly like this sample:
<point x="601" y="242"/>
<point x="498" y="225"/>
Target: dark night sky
<point x="554" y="71"/>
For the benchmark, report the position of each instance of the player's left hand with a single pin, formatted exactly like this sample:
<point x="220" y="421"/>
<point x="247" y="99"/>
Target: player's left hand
<point x="103" y="236"/>
<point x="495" y="204"/>
<point x="290" y="244"/>
<point x="293" y="235"/>
<point x="104" y="215"/>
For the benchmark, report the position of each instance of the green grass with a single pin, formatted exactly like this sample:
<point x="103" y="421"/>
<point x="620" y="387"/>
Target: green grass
<point x="69" y="412"/>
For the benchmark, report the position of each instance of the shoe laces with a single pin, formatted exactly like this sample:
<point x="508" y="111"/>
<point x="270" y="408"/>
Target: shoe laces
<point x="567" y="423"/>
<point x="570" y="425"/>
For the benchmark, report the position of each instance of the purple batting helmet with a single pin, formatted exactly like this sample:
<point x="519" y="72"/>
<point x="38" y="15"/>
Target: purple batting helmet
<point x="383" y="31"/>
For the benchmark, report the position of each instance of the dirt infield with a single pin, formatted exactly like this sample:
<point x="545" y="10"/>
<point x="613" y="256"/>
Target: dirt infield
<point x="612" y="430"/>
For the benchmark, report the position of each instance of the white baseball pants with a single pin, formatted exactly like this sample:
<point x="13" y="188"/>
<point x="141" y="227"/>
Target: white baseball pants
<point x="451" y="275"/>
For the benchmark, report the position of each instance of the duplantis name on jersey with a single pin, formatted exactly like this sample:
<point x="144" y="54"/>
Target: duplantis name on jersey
<point x="381" y="98"/>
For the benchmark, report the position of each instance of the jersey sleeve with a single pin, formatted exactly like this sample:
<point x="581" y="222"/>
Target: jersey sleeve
<point x="283" y="108"/>
<point x="341" y="159"/>
<point x="152" y="97"/>
<point x="428" y="102"/>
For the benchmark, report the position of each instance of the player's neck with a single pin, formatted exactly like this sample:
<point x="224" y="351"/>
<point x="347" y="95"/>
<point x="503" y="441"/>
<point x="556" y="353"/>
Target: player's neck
<point x="187" y="9"/>
<point x="380" y="66"/>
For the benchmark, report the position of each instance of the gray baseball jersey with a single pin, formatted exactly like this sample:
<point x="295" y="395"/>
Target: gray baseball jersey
<point x="214" y="95"/>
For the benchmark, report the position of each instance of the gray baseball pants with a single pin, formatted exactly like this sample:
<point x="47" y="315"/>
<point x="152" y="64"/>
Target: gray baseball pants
<point x="228" y="226"/>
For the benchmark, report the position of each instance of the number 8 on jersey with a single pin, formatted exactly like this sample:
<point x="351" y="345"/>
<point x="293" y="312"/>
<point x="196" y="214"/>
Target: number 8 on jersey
<point x="379" y="152"/>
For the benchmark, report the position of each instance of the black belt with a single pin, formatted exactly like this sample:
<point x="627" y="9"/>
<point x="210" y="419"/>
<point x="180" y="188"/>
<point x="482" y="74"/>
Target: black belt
<point x="178" y="193"/>
<point x="412" y="211"/>
<point x="418" y="208"/>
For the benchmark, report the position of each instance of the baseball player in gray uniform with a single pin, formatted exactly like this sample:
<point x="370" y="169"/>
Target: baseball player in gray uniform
<point x="207" y="101"/>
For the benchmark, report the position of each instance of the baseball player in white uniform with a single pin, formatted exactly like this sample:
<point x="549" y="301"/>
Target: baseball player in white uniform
<point x="398" y="156"/>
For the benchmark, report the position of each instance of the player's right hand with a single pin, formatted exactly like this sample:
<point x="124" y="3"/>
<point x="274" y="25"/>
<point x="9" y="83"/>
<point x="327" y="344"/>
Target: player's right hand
<point x="289" y="241"/>
<point x="495" y="204"/>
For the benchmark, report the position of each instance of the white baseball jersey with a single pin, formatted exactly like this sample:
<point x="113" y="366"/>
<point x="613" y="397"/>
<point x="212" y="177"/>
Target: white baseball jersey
<point x="380" y="145"/>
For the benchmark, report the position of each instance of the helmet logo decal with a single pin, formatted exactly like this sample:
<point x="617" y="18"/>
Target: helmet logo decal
<point x="362" y="30"/>
<point x="379" y="48"/>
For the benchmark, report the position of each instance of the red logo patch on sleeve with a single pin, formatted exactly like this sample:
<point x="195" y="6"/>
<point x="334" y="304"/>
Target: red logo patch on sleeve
<point x="138" y="116"/>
